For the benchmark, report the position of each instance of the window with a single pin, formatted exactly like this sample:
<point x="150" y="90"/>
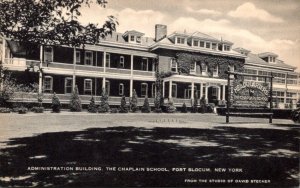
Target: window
<point x="153" y="90"/>
<point x="196" y="43"/>
<point x="174" y="90"/>
<point x="215" y="70"/>
<point x="88" y="85"/>
<point x="121" y="89"/>
<point x="264" y="73"/>
<point x="214" y="46"/>
<point x="107" y="87"/>
<point x="77" y="57"/>
<point x="138" y="39"/>
<point x="180" y="40"/>
<point x="192" y="67"/>
<point x="272" y="59"/>
<point x="121" y="64"/>
<point x="207" y="44"/>
<point x="226" y="48"/>
<point x="202" y="43"/>
<point x="88" y="58"/>
<point x="68" y="85"/>
<point x="203" y="67"/>
<point x="144" y="89"/>
<point x="48" y="84"/>
<point x="144" y="64"/>
<point x="173" y="65"/>
<point x="132" y="38"/>
<point x="48" y="54"/>
<point x="107" y="60"/>
<point x="250" y="71"/>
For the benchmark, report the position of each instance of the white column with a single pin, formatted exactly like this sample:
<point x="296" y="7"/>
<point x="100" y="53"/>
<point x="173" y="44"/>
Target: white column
<point x="3" y="59"/>
<point x="131" y="87"/>
<point x="104" y="61"/>
<point x="163" y="89"/>
<point x="74" y="69"/>
<point x="103" y="83"/>
<point x="206" y="92"/>
<point x="40" y="72"/>
<point x="131" y="65"/>
<point x="192" y="92"/>
<point x="170" y="89"/>
<point x="223" y="98"/>
<point x="95" y="86"/>
<point x="201" y="90"/>
<point x="219" y="93"/>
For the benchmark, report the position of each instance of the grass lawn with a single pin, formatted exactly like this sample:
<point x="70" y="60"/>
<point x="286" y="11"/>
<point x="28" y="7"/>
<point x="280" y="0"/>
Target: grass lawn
<point x="199" y="143"/>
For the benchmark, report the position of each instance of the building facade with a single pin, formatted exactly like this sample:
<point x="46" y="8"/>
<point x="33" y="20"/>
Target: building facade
<point x="192" y="65"/>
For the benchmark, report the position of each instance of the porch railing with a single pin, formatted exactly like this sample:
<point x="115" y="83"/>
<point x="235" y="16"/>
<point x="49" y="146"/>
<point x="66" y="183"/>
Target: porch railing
<point x="18" y="62"/>
<point x="118" y="71"/>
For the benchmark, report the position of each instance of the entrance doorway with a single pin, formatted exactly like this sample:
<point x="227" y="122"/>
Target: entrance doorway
<point x="213" y="95"/>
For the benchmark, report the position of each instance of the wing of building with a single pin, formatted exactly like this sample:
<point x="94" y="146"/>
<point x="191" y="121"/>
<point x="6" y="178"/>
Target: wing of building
<point x="192" y="66"/>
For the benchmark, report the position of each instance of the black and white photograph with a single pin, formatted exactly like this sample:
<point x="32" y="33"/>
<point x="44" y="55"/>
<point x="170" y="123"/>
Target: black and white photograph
<point x="132" y="93"/>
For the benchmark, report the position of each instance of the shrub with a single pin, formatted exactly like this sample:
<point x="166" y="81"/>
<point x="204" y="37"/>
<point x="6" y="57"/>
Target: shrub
<point x="38" y="109"/>
<point x="296" y="115"/>
<point x="75" y="102"/>
<point x="5" y="110"/>
<point x="22" y="110"/>
<point x="171" y="108"/>
<point x="92" y="108"/>
<point x="184" y="108"/>
<point x="55" y="104"/>
<point x="104" y="106"/>
<point x="146" y="106"/>
<point x="114" y="110"/>
<point x="123" y="106"/>
<point x="134" y="102"/>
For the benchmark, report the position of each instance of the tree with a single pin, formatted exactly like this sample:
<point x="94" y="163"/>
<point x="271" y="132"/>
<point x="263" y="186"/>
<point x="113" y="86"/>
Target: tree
<point x="171" y="108"/>
<point x="158" y="100"/>
<point x="75" y="102"/>
<point x="8" y="87"/>
<point x="146" y="106"/>
<point x="184" y="108"/>
<point x="51" y="22"/>
<point x="55" y="104"/>
<point x="134" y="102"/>
<point x="104" y="106"/>
<point x="92" y="106"/>
<point x="123" y="106"/>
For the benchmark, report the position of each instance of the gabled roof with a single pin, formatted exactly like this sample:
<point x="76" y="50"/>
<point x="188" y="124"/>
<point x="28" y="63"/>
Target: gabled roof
<point x="177" y="33"/>
<point x="133" y="32"/>
<point x="118" y="37"/>
<point x="255" y="59"/>
<point x="266" y="54"/>
<point x="239" y="49"/>
<point x="203" y="36"/>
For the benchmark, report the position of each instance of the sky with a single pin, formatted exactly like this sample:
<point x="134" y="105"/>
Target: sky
<point x="257" y="25"/>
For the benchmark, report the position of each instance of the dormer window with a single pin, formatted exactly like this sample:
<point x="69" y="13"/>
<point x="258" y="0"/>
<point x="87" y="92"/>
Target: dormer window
<point x="138" y="39"/>
<point x="226" y="48"/>
<point x="207" y="45"/>
<point x="214" y="46"/>
<point x="195" y="43"/>
<point x="180" y="40"/>
<point x="202" y="43"/>
<point x="132" y="38"/>
<point x="272" y="59"/>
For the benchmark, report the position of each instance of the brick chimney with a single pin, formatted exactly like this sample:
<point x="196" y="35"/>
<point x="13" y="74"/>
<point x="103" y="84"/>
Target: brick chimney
<point x="160" y="32"/>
